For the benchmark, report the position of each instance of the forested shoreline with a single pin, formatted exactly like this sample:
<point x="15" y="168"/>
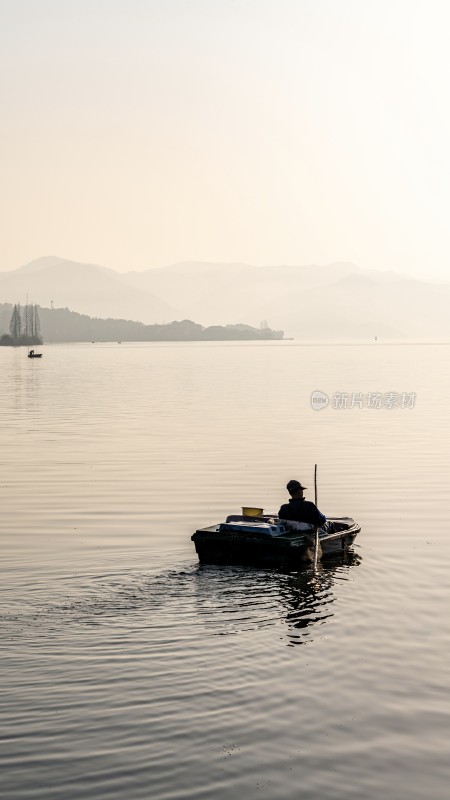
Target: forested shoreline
<point x="63" y="325"/>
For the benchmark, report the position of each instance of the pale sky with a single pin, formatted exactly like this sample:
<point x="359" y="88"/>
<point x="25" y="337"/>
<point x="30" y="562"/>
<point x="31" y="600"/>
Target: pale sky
<point x="136" y="133"/>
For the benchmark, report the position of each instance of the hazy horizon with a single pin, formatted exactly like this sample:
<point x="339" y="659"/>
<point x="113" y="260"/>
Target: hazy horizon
<point x="211" y="262"/>
<point x="141" y="134"/>
<point x="351" y="302"/>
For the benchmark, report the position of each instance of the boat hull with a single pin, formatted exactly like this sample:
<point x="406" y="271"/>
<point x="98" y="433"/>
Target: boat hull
<point x="214" y="546"/>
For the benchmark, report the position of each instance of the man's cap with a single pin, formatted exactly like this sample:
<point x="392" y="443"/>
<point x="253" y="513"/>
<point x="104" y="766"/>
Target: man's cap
<point x="294" y="486"/>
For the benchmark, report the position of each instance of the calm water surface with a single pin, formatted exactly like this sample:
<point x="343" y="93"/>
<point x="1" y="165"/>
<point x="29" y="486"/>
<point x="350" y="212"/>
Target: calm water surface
<point x="127" y="670"/>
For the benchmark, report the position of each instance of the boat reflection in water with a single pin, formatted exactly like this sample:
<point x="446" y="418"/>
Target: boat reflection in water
<point x="309" y="598"/>
<point x="234" y="599"/>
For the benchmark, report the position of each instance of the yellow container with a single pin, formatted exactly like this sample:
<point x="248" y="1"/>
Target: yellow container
<point x="252" y="512"/>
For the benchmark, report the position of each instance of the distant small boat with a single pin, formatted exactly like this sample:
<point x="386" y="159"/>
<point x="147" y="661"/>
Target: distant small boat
<point x="268" y="540"/>
<point x="32" y="354"/>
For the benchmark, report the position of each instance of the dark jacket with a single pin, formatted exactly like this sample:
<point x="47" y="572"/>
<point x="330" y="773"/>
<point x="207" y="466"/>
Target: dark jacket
<point x="301" y="510"/>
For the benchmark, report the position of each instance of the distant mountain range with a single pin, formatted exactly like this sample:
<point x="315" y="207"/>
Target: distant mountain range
<point x="336" y="301"/>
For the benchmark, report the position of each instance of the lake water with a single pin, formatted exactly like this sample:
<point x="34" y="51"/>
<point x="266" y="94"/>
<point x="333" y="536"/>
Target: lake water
<point x="127" y="670"/>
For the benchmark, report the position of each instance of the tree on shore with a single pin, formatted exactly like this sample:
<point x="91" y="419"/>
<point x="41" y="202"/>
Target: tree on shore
<point x="32" y="324"/>
<point x="24" y="327"/>
<point x="36" y="324"/>
<point x="15" y="326"/>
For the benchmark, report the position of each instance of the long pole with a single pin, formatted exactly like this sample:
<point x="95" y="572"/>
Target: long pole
<point x="316" y="541"/>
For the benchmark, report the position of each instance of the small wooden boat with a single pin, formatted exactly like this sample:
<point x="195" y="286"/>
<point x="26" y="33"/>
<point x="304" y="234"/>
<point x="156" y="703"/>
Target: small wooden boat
<point x="32" y="354"/>
<point x="267" y="540"/>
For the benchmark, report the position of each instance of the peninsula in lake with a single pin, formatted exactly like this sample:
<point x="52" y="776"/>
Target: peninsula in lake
<point x="63" y="325"/>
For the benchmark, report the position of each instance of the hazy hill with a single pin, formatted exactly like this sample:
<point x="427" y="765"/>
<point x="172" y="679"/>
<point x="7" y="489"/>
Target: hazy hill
<point x="87" y="288"/>
<point x="359" y="306"/>
<point x="218" y="293"/>
<point x="335" y="301"/>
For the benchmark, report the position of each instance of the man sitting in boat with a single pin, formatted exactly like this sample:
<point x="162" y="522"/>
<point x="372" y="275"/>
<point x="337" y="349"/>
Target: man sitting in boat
<point x="300" y="514"/>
